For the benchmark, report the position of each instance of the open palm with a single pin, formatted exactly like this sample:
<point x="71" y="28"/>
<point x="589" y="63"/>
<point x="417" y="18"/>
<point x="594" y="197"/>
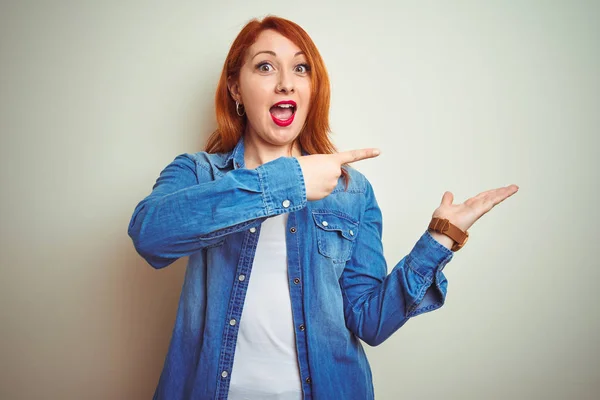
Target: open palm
<point x="464" y="215"/>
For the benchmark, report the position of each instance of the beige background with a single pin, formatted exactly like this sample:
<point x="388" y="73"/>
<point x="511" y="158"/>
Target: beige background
<point x="97" y="97"/>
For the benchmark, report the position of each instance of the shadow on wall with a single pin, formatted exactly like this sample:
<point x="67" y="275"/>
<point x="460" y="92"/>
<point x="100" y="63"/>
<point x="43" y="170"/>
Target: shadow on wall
<point x="144" y="315"/>
<point x="146" y="301"/>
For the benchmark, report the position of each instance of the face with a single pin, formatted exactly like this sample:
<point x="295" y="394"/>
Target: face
<point x="274" y="87"/>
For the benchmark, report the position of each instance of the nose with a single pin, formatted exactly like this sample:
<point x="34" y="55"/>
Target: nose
<point x="285" y="85"/>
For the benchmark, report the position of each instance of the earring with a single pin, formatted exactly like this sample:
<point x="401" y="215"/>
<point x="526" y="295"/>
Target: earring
<point x="237" y="109"/>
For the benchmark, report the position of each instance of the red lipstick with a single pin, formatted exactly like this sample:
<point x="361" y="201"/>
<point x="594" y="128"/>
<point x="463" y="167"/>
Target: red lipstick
<point x="288" y="121"/>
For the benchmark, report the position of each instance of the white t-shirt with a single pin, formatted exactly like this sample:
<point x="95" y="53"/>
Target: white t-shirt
<point x="265" y="365"/>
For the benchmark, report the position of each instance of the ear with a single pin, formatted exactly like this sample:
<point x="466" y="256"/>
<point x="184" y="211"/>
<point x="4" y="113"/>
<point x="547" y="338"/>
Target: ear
<point x="234" y="89"/>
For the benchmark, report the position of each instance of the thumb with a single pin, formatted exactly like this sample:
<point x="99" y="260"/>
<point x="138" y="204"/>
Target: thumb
<point x="447" y="198"/>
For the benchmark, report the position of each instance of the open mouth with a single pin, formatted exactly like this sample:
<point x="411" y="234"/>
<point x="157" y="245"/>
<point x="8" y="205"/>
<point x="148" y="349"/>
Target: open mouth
<point x="283" y="112"/>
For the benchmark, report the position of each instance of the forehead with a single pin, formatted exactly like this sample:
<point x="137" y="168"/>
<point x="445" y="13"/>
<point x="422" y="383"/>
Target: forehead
<point x="271" y="40"/>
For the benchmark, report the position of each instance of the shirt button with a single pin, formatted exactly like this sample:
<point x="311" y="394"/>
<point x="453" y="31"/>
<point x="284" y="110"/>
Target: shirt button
<point x="296" y="281"/>
<point x="286" y="203"/>
<point x="252" y="230"/>
<point x="237" y="164"/>
<point x="224" y="374"/>
<point x="301" y="327"/>
<point x="293" y="230"/>
<point x="325" y="223"/>
<point x="241" y="277"/>
<point x="307" y="379"/>
<point x="232" y="322"/>
<point x="351" y="232"/>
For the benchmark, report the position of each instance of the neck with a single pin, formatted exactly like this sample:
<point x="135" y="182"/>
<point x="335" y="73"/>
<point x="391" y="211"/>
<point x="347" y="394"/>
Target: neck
<point x="257" y="151"/>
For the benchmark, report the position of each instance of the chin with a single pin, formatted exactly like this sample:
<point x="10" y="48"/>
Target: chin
<point x="283" y="135"/>
<point x="282" y="138"/>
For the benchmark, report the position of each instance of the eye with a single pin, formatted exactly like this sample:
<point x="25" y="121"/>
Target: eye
<point x="264" y="67"/>
<point x="302" y="68"/>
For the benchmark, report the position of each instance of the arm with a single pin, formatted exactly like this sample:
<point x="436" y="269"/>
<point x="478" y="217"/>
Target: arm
<point x="377" y="304"/>
<point x="186" y="212"/>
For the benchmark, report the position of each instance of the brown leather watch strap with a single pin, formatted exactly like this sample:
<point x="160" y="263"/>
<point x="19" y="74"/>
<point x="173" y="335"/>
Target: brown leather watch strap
<point x="442" y="225"/>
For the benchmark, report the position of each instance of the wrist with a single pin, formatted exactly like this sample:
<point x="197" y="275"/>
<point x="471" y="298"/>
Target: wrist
<point x="442" y="239"/>
<point x="443" y="226"/>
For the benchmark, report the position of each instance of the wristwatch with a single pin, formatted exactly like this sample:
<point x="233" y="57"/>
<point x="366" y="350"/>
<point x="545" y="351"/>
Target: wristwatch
<point x="442" y="225"/>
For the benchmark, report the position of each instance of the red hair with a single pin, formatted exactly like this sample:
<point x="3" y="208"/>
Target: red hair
<point x="314" y="136"/>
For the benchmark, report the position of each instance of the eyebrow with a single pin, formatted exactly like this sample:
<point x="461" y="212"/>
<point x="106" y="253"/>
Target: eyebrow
<point x="273" y="53"/>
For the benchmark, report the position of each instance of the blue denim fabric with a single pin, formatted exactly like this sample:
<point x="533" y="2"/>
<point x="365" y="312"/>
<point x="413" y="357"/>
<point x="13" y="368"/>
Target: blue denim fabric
<point x="210" y="208"/>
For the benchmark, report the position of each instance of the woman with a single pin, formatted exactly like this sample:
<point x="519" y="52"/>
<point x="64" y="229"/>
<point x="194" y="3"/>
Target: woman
<point x="286" y="268"/>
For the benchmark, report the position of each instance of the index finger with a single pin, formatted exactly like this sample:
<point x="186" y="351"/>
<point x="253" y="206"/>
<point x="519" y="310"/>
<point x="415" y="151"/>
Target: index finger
<point x="356" y="155"/>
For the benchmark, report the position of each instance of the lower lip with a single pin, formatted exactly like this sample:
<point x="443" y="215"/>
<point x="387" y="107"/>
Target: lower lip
<point x="287" y="122"/>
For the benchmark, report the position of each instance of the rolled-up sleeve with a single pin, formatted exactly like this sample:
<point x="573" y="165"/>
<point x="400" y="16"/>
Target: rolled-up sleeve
<point x="376" y="303"/>
<point x="187" y="211"/>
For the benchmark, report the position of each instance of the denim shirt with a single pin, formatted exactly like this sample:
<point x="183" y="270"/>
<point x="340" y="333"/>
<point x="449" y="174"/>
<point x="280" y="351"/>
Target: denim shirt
<point x="210" y="207"/>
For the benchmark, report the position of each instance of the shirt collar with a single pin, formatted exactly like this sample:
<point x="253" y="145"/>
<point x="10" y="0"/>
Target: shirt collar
<point x="237" y="154"/>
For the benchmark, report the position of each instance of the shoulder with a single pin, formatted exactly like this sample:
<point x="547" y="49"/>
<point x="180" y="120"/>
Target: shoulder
<point x="353" y="200"/>
<point x="213" y="164"/>
<point x="358" y="182"/>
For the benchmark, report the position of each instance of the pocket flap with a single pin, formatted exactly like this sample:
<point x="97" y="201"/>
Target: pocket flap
<point x="336" y="221"/>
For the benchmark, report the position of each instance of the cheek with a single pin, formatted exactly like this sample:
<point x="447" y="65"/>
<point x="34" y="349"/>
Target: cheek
<point x="254" y="109"/>
<point x="307" y="104"/>
<point x="306" y="96"/>
<point x="255" y="94"/>
<point x="256" y="104"/>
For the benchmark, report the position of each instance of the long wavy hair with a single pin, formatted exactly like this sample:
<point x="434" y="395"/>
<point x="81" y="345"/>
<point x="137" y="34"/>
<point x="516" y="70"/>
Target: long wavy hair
<point x="314" y="136"/>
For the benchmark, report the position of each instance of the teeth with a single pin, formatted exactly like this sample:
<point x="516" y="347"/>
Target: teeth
<point x="285" y="106"/>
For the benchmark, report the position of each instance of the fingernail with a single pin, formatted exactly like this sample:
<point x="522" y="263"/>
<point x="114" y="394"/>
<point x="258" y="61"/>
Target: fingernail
<point x="376" y="152"/>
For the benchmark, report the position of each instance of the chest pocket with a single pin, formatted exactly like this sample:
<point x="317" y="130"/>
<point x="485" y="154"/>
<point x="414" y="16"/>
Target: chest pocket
<point x="336" y="234"/>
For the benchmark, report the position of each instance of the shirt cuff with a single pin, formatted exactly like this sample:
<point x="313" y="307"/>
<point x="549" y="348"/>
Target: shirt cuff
<point x="428" y="256"/>
<point x="282" y="185"/>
